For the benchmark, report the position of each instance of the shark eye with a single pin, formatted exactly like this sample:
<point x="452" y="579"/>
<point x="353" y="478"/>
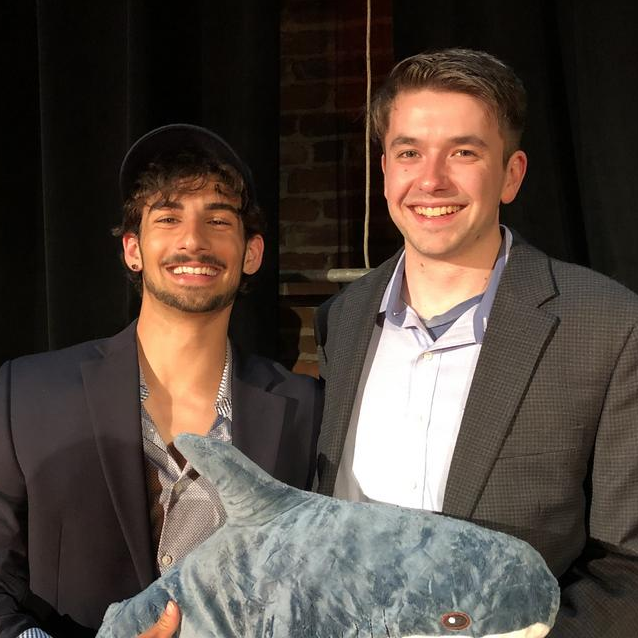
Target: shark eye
<point x="456" y="620"/>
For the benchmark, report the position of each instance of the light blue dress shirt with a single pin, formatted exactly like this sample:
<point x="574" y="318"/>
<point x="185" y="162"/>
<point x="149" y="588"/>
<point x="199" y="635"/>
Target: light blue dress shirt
<point x="411" y="398"/>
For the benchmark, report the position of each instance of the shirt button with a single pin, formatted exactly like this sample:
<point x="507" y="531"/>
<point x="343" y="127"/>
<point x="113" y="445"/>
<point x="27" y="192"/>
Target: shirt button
<point x="426" y="356"/>
<point x="167" y="559"/>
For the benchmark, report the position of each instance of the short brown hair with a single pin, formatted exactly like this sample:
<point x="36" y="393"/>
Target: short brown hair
<point x="474" y="73"/>
<point x="186" y="172"/>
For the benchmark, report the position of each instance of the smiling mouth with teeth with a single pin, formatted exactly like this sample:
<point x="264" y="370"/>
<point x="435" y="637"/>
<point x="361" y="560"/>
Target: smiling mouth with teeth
<point x="198" y="270"/>
<point x="436" y="211"/>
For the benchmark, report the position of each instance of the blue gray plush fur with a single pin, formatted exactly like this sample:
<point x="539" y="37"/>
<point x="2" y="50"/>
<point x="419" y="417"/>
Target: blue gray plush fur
<point x="290" y="564"/>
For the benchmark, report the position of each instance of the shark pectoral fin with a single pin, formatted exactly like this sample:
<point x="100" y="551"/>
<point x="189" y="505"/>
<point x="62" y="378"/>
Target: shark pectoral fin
<point x="244" y="488"/>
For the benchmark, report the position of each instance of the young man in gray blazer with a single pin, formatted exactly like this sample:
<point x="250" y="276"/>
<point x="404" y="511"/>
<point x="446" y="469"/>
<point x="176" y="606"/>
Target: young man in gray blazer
<point x="473" y="375"/>
<point x="95" y="501"/>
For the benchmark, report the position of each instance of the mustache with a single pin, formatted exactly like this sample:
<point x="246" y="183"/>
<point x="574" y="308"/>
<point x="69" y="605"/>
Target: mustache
<point x="208" y="259"/>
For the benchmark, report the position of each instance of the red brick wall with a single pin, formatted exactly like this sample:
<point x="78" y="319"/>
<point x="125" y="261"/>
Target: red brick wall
<point x="322" y="154"/>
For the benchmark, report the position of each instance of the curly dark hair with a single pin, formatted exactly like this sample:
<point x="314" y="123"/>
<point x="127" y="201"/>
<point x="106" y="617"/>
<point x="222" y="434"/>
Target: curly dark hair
<point x="184" y="173"/>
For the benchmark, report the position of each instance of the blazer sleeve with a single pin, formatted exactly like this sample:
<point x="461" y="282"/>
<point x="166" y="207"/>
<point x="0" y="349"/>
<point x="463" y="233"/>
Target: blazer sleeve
<point x="321" y="334"/>
<point x="312" y="415"/>
<point x="14" y="570"/>
<point x="600" y="590"/>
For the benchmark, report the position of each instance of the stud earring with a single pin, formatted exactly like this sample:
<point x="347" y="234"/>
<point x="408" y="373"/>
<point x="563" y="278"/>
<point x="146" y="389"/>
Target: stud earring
<point x="134" y="267"/>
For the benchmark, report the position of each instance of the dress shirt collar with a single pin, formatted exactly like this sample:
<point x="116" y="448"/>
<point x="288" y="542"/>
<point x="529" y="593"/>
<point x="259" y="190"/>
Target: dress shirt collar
<point x="393" y="306"/>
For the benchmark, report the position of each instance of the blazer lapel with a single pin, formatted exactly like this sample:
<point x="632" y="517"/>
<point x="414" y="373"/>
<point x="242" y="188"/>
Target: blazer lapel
<point x="351" y="339"/>
<point x="517" y="333"/>
<point x="258" y="415"/>
<point x="112" y="390"/>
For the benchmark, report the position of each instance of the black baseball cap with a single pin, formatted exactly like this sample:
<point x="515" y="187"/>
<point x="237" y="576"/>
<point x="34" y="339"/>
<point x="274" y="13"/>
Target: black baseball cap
<point x="171" y="140"/>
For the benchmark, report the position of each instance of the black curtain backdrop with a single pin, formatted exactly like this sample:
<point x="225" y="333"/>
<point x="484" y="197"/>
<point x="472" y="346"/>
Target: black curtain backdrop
<point x="578" y="60"/>
<point x="80" y="81"/>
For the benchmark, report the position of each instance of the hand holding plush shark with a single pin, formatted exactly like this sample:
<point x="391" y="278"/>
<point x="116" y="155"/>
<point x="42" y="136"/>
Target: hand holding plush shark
<point x="290" y="564"/>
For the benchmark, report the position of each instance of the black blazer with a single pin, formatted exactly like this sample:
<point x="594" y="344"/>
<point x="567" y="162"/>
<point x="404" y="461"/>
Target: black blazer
<point x="548" y="444"/>
<point x="72" y="482"/>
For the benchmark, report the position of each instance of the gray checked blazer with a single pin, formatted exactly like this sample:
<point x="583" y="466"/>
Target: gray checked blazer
<point x="548" y="444"/>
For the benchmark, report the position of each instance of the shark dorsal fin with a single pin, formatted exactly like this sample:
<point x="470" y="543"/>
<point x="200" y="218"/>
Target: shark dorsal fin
<point x="249" y="494"/>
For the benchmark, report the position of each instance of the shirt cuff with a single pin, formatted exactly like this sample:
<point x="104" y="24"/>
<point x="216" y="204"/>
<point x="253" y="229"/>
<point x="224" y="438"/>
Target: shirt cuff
<point x="34" y="632"/>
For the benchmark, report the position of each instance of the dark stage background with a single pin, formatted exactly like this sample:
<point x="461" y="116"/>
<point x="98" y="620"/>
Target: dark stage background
<point x="81" y="80"/>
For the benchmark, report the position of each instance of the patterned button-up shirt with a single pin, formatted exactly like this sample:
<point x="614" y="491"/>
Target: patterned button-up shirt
<point x="185" y="507"/>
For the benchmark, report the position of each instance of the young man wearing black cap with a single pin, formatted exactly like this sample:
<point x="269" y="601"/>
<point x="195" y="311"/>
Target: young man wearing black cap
<point x="95" y="501"/>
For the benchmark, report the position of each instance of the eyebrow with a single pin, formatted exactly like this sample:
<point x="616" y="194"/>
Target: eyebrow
<point x="471" y="140"/>
<point x="176" y="205"/>
<point x="402" y="140"/>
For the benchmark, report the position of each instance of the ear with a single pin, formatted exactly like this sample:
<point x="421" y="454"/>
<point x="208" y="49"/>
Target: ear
<point x="132" y="253"/>
<point x="514" y="173"/>
<point x="253" y="255"/>
<point x="383" y="169"/>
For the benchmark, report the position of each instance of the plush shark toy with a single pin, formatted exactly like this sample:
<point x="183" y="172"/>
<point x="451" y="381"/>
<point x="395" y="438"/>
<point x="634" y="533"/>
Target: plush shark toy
<point x="290" y="564"/>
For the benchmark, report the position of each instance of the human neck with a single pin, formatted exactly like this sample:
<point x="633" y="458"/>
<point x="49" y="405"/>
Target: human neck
<point x="183" y="352"/>
<point x="432" y="286"/>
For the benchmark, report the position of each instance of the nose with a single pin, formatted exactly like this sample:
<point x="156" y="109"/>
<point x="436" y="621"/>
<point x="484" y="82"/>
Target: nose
<point x="194" y="236"/>
<point x="433" y="175"/>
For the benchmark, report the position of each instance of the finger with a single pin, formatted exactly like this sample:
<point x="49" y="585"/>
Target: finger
<point x="167" y="624"/>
